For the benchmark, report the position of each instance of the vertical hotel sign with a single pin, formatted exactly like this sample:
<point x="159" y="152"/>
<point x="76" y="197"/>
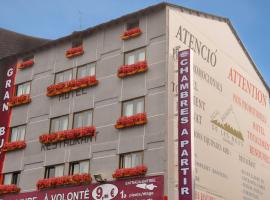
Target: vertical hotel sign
<point x="185" y="126"/>
<point x="7" y="78"/>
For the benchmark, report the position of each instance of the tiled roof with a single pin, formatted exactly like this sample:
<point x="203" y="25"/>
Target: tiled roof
<point x="13" y="43"/>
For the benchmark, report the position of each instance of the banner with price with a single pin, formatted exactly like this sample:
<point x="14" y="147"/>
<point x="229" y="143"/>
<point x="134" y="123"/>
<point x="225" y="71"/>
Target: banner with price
<point x="144" y="188"/>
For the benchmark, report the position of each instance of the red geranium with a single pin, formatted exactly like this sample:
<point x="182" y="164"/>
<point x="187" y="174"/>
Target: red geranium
<point x="134" y="32"/>
<point x="19" y="100"/>
<point x="76" y="51"/>
<point x="128" y="70"/>
<point x="127" y="172"/>
<point x="5" y="189"/>
<point x="76" y="179"/>
<point x="76" y="133"/>
<point x="11" y="146"/>
<point x="71" y="85"/>
<point x="137" y="119"/>
<point x="25" y="64"/>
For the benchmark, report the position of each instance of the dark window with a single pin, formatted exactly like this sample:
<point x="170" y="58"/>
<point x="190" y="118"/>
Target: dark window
<point x="59" y="124"/>
<point x="129" y="160"/>
<point x="132" y="107"/>
<point x="79" y="167"/>
<point x="11" y="178"/>
<point x="83" y="118"/>
<point x="54" y="171"/>
<point x="28" y="57"/>
<point x="77" y="43"/>
<point x="133" y="24"/>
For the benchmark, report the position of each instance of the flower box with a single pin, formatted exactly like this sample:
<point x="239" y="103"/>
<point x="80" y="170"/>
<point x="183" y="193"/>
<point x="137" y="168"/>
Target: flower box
<point x="19" y="100"/>
<point x="75" y="51"/>
<point x="128" y="70"/>
<point x="134" y="32"/>
<point x="77" y="179"/>
<point x="134" y="120"/>
<point x="7" y="189"/>
<point x="128" y="172"/>
<point x="25" y="64"/>
<point x="88" y="131"/>
<point x="71" y="85"/>
<point x="12" y="146"/>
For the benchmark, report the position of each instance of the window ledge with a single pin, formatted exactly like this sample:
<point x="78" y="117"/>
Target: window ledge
<point x="134" y="120"/>
<point x="19" y="100"/>
<point x="130" y="172"/>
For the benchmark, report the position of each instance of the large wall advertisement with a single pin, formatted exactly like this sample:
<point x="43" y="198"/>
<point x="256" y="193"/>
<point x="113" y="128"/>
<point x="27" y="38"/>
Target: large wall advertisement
<point x="231" y="111"/>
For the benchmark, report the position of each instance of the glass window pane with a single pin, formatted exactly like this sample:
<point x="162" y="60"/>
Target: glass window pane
<point x="127" y="161"/>
<point x="76" y="168"/>
<point x="139" y="107"/>
<point x="86" y="70"/>
<point x="7" y="179"/>
<point x="92" y="70"/>
<point x="63" y="76"/>
<point x="59" y="124"/>
<point x="136" y="159"/>
<point x="141" y="56"/>
<point x="128" y="109"/>
<point x="23" y="89"/>
<point x="17" y="133"/>
<point x="83" y="119"/>
<point x="131" y="59"/>
<point x="84" y="167"/>
<point x="15" y="178"/>
<point x="59" y="170"/>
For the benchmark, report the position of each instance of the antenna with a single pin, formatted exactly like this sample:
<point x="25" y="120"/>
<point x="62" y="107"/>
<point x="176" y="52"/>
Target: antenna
<point x="80" y="19"/>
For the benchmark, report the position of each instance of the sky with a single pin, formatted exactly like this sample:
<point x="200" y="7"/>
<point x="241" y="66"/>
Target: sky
<point x="53" y="19"/>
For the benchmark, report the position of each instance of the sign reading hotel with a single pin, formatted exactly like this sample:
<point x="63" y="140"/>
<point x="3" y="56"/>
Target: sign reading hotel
<point x="230" y="117"/>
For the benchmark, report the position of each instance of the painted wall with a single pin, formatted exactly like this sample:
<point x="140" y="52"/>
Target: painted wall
<point x="231" y="117"/>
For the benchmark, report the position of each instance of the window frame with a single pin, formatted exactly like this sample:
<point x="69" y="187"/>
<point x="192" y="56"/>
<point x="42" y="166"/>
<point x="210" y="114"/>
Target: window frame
<point x="71" y="166"/>
<point x="73" y="119"/>
<point x="84" y="65"/>
<point x="51" y="119"/>
<point x="24" y="83"/>
<point x="55" y="75"/>
<point x="17" y="173"/>
<point x="10" y="135"/>
<point x="47" y="172"/>
<point x="121" y="158"/>
<point x="131" y="100"/>
<point x="135" y="50"/>
<point x="77" y="42"/>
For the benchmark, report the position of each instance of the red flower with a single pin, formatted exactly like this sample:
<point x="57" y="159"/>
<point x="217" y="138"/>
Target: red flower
<point x="76" y="179"/>
<point x="76" y="133"/>
<point x="137" y="119"/>
<point x="71" y="85"/>
<point x="134" y="32"/>
<point x="76" y="51"/>
<point x="19" y="100"/>
<point x="5" y="189"/>
<point x="127" y="172"/>
<point x="128" y="70"/>
<point x="14" y="146"/>
<point x="25" y="64"/>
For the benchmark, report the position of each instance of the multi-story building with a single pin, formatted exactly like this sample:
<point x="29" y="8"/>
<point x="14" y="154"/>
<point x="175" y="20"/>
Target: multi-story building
<point x="104" y="99"/>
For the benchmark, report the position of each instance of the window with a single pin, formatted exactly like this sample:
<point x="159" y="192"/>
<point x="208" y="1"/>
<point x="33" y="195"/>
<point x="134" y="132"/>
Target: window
<point x="133" y="107"/>
<point x="17" y="133"/>
<point x="11" y="178"/>
<point x="82" y="119"/>
<point x="133" y="24"/>
<point x="135" y="56"/>
<point x="129" y="160"/>
<point x="59" y="124"/>
<point x="77" y="42"/>
<point x="23" y="88"/>
<point x="54" y="171"/>
<point x="28" y="57"/>
<point x="86" y="70"/>
<point x="79" y="167"/>
<point x="63" y="76"/>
